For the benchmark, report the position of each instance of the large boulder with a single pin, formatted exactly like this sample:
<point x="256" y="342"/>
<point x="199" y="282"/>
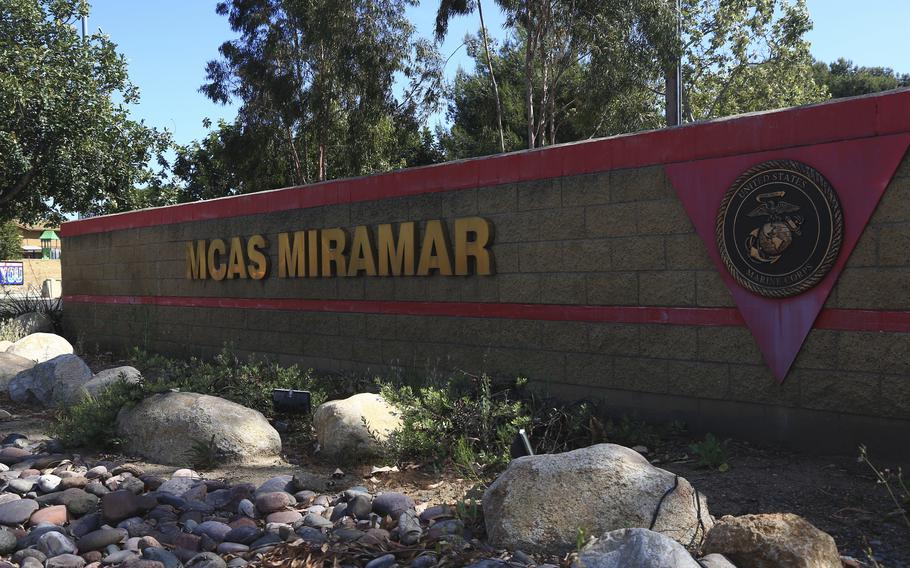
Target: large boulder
<point x="350" y="427"/>
<point x="33" y="322"/>
<point x="541" y="502"/>
<point x="5" y="344"/>
<point x="168" y="428"/>
<point x="634" y="548"/>
<point x="41" y="347"/>
<point x="107" y="377"/>
<point x="10" y="366"/>
<point x="779" y="540"/>
<point x="52" y="382"/>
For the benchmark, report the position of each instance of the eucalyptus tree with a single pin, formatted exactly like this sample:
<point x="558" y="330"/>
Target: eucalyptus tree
<point x="67" y="143"/>
<point x="316" y="77"/>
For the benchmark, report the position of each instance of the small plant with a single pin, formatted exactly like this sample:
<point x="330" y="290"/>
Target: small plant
<point x="581" y="538"/>
<point x="469" y="512"/>
<point x="894" y="483"/>
<point x="204" y="455"/>
<point x="11" y="330"/>
<point x="92" y="420"/>
<point x="710" y="453"/>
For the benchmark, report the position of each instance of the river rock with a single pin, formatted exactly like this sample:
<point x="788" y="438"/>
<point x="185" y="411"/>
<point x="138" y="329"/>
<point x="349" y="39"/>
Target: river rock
<point x="119" y="505"/>
<point x="274" y="501"/>
<point x="779" y="540"/>
<point x="17" y="512"/>
<point x="54" y="544"/>
<point x="344" y="427"/>
<point x="55" y="515"/>
<point x="108" y="377"/>
<point x="7" y="542"/>
<point x="164" y="428"/>
<point x="539" y="502"/>
<point x="206" y="560"/>
<point x="51" y="382"/>
<point x="715" y="561"/>
<point x="65" y="561"/>
<point x="100" y="539"/>
<point x="10" y="366"/>
<point x="34" y="322"/>
<point x="41" y="347"/>
<point x="634" y="548"/>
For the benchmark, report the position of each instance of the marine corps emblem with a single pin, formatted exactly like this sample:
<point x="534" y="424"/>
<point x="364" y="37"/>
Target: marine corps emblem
<point x="779" y="228"/>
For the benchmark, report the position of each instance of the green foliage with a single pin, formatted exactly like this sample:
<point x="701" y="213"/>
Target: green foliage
<point x="67" y="144"/>
<point x="461" y="418"/>
<point x="844" y="79"/>
<point x="710" y="453"/>
<point x="91" y="422"/>
<point x="203" y="455"/>
<point x="10" y="241"/>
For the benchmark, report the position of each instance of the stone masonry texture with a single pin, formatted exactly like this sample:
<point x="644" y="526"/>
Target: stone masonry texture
<point x="617" y="238"/>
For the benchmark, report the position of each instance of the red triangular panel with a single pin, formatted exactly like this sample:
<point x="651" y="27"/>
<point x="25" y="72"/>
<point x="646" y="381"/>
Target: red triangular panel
<point x="859" y="170"/>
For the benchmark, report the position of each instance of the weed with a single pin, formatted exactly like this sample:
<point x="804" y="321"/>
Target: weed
<point x="893" y="482"/>
<point x="469" y="512"/>
<point x="204" y="455"/>
<point x="710" y="453"/>
<point x="12" y="306"/>
<point x="11" y="330"/>
<point x="581" y="538"/>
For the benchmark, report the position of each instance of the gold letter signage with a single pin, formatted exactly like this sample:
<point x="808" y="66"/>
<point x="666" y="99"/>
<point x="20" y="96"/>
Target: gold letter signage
<point x="387" y="251"/>
<point x="779" y="228"/>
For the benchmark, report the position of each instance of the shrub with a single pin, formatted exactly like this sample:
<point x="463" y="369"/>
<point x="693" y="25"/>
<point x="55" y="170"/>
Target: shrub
<point x="92" y="421"/>
<point x="462" y="419"/>
<point x="710" y="453"/>
<point x="13" y="306"/>
<point x="11" y="330"/>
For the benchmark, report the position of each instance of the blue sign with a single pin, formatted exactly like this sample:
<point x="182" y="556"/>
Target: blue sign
<point x="11" y="274"/>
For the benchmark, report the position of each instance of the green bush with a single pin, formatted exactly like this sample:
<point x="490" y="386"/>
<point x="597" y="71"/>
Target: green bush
<point x="461" y="419"/>
<point x="710" y="453"/>
<point x="92" y="422"/>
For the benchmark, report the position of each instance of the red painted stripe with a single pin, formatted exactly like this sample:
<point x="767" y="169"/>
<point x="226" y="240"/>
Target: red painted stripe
<point x="834" y="319"/>
<point x="859" y="117"/>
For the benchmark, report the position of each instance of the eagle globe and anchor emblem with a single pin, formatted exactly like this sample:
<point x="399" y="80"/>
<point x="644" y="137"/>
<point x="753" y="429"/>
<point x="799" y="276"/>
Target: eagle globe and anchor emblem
<point x="779" y="228"/>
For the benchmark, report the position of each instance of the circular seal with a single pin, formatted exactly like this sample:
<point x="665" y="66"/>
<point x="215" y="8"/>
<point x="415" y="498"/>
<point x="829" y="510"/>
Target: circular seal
<point x="779" y="228"/>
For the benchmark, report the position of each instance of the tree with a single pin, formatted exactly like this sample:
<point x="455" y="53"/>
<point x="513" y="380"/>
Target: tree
<point x="66" y="145"/>
<point x="844" y="79"/>
<point x="10" y="241"/>
<point x="451" y="8"/>
<point x="745" y="55"/>
<point x="315" y="81"/>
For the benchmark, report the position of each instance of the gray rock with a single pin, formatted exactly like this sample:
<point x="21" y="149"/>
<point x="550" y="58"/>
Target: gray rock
<point x="104" y="379"/>
<point x="17" y="512"/>
<point x="29" y="553"/>
<point x="34" y="322"/>
<point x="310" y="535"/>
<point x="179" y="485"/>
<point x="231" y="548"/>
<point x="409" y="531"/>
<point x="539" y="502"/>
<point x="120" y="505"/>
<point x="165" y="427"/>
<point x="120" y="556"/>
<point x="634" y="548"/>
<point x="206" y="560"/>
<point x="30" y="562"/>
<point x="10" y="366"/>
<point x="279" y="483"/>
<point x="65" y="561"/>
<point x="21" y="486"/>
<point x="161" y="555"/>
<point x="51" y="382"/>
<point x="84" y="525"/>
<point x="424" y="561"/>
<point x="78" y="502"/>
<point x="384" y="561"/>
<point x="391" y="503"/>
<point x="100" y="539"/>
<point x="243" y="535"/>
<point x="54" y="544"/>
<point x="360" y="506"/>
<point x="715" y="561"/>
<point x="41" y="347"/>
<point x="7" y="542"/>
<point x="275" y="501"/>
<point x="213" y="529"/>
<point x="351" y="427"/>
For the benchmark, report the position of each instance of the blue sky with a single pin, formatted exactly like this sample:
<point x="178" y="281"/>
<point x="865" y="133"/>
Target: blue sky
<point x="168" y="42"/>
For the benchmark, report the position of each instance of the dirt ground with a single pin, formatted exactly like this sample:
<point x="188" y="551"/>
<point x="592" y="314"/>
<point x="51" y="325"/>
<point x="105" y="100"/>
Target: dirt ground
<point x="837" y="494"/>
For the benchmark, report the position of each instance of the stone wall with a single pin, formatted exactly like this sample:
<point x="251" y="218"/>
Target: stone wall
<point x="579" y="259"/>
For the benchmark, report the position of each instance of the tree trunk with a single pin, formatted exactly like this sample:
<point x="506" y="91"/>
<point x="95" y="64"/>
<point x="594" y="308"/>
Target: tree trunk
<point x="671" y="110"/>
<point x="21" y="184"/>
<point x="296" y="157"/>
<point x="486" y="48"/>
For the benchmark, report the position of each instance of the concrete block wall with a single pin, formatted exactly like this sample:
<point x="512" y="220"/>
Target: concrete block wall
<point x="581" y="251"/>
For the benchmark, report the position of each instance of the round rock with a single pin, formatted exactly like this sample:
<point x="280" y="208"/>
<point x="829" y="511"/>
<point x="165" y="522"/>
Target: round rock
<point x="17" y="512"/>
